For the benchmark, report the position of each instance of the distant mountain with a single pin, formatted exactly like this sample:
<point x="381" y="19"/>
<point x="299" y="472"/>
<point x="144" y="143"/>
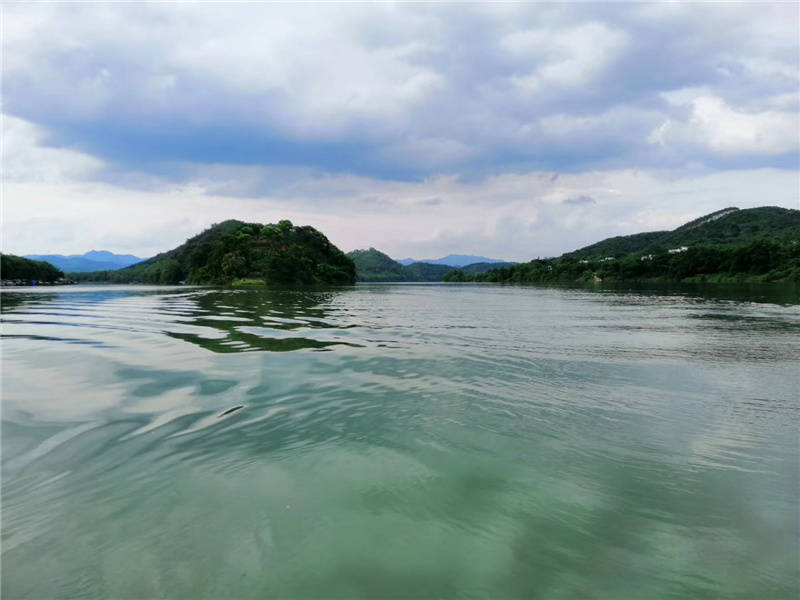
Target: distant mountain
<point x="242" y="254"/>
<point x="94" y="260"/>
<point x="452" y="260"/>
<point x="727" y="226"/>
<point x="374" y="265"/>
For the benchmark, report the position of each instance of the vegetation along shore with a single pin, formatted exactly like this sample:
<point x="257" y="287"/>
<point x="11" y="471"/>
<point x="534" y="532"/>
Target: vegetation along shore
<point x="758" y="245"/>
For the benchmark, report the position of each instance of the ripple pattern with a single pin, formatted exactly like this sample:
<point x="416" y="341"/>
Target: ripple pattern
<point x="412" y="441"/>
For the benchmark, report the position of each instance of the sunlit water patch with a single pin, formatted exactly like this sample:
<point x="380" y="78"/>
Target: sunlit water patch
<point x="410" y="441"/>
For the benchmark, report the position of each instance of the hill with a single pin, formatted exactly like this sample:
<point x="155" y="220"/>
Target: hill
<point x="94" y="260"/>
<point x="759" y="245"/>
<point x="483" y="267"/>
<point x="18" y="268"/>
<point x="727" y="226"/>
<point x="374" y="266"/>
<point x="420" y="271"/>
<point x="451" y="260"/>
<point x="234" y="251"/>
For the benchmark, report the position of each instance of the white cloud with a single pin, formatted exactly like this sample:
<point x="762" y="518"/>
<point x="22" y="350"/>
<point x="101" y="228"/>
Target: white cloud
<point x="724" y="130"/>
<point x="385" y="79"/>
<point x="499" y="114"/>
<point x="514" y="215"/>
<point x="26" y="159"/>
<point x="305" y="69"/>
<point x="686" y="95"/>
<point x="565" y="58"/>
<point x="789" y="101"/>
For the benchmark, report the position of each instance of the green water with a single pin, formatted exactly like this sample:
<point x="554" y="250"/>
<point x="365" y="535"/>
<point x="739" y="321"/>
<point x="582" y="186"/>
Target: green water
<point x="399" y="441"/>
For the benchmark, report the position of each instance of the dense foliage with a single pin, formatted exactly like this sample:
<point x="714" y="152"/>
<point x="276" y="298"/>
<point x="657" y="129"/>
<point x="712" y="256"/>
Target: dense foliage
<point x="760" y="260"/>
<point x="421" y="271"/>
<point x="17" y="267"/>
<point x="729" y="226"/>
<point x="233" y="250"/>
<point x="483" y="267"/>
<point x="374" y="265"/>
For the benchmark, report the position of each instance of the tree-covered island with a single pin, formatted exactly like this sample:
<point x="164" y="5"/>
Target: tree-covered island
<point x="238" y="253"/>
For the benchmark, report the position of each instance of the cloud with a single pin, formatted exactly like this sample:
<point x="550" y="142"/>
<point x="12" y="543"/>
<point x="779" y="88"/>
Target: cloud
<point x="25" y="159"/>
<point x="723" y="130"/>
<point x="578" y="200"/>
<point x="511" y="215"/>
<point x="575" y="56"/>
<point x="393" y="91"/>
<point x="509" y="130"/>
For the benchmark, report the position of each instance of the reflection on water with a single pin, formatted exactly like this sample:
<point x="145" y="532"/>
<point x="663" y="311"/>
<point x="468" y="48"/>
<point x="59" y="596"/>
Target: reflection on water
<point x="271" y="320"/>
<point x="399" y="441"/>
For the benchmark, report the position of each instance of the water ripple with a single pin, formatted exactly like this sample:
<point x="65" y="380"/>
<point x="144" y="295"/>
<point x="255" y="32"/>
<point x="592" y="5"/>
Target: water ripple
<point x="426" y="441"/>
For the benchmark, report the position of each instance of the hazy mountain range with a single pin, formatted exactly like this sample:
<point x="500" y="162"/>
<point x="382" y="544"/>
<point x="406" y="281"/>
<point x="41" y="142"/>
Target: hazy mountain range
<point x="94" y="260"/>
<point x="374" y="265"/>
<point x="451" y="260"/>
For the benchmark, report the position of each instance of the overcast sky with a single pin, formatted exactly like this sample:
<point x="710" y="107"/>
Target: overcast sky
<point x="506" y="130"/>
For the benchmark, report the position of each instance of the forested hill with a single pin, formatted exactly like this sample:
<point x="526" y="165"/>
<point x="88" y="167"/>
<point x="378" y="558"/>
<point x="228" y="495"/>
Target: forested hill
<point x="756" y="245"/>
<point x="375" y="266"/>
<point x="729" y="226"/>
<point x="17" y="268"/>
<point x="234" y="251"/>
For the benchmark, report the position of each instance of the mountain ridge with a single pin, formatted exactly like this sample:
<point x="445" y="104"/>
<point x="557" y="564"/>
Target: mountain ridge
<point x="375" y="266"/>
<point x="94" y="260"/>
<point x="726" y="226"/>
<point x="756" y="245"/>
<point x="452" y="260"/>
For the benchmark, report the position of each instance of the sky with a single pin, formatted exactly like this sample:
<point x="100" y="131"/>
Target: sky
<point x="505" y="130"/>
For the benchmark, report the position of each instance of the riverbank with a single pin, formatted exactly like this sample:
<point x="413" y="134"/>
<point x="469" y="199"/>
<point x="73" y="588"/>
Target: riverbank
<point x="33" y="282"/>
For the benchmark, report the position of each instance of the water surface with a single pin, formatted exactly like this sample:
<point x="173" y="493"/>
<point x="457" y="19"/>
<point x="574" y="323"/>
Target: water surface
<point x="405" y="441"/>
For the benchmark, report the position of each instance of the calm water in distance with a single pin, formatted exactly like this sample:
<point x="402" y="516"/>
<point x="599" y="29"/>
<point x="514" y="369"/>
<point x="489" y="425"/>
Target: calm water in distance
<point x="399" y="441"/>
